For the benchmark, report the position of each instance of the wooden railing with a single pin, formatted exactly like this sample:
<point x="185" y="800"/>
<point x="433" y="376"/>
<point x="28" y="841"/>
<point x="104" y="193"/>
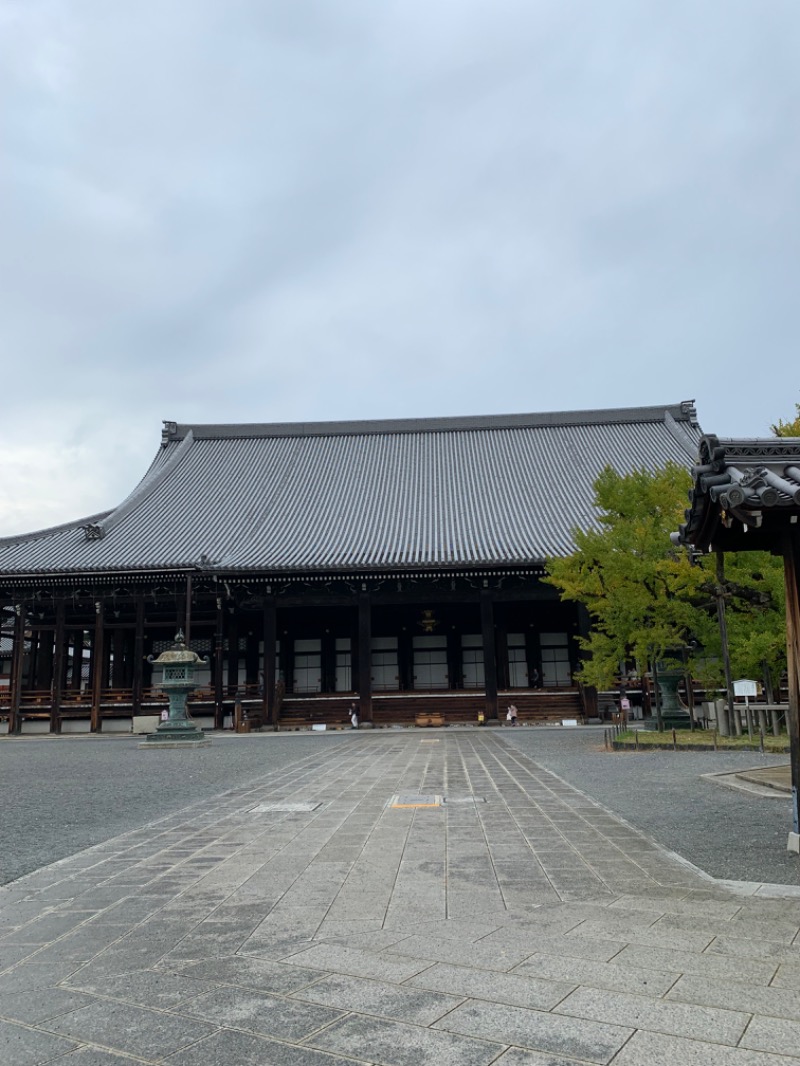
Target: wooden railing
<point x="396" y="708"/>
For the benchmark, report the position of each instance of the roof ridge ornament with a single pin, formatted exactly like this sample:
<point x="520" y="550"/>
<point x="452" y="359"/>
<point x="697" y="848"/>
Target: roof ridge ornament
<point x="742" y="497"/>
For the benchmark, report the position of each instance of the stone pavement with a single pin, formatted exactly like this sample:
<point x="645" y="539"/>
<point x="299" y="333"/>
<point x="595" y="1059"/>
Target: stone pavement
<point x="775" y="777"/>
<point x="318" y="917"/>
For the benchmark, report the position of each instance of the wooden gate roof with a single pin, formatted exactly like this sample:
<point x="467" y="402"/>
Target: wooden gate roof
<point x="335" y="497"/>
<point x="746" y="494"/>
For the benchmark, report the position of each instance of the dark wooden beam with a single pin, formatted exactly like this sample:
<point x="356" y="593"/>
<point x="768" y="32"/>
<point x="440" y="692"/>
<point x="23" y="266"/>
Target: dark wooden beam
<point x="180" y="612"/>
<point x="59" y="669"/>
<point x="117" y="667"/>
<point x="489" y="654"/>
<point x="420" y="598"/>
<point x="17" y="666"/>
<point x="268" y="680"/>
<point x="365" y="657"/>
<point x="187" y="625"/>
<point x="32" y="672"/>
<point x="138" y="656"/>
<point x="791" y="570"/>
<point x="76" y="659"/>
<point x="731" y="718"/>
<point x="98" y="666"/>
<point x="219" y="642"/>
<point x="233" y="652"/>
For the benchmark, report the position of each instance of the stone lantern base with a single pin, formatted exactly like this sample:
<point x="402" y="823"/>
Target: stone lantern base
<point x="180" y="733"/>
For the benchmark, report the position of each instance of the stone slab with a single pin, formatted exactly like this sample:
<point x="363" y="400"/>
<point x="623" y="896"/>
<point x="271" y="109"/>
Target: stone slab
<point x="593" y="1041"/>
<point x="610" y="975"/>
<point x="656" y="1015"/>
<point x="230" y="1048"/>
<point x="134" y="1030"/>
<point x="359" y="963"/>
<point x="386" y="1043"/>
<point x="415" y="1005"/>
<point x="655" y="1049"/>
<point x="522" y="991"/>
<point x="29" y="1047"/>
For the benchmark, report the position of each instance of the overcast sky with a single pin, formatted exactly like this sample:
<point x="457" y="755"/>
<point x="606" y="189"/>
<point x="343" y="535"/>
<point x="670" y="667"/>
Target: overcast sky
<point x="276" y="210"/>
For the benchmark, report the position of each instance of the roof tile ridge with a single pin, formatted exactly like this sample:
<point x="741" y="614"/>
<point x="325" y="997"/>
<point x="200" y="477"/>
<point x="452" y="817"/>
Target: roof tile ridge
<point x="48" y="531"/>
<point x="448" y="423"/>
<point x="154" y="477"/>
<point x="678" y="433"/>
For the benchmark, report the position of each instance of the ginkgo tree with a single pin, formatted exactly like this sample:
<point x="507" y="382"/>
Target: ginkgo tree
<point x="649" y="600"/>
<point x="640" y="590"/>
<point x="788" y="429"/>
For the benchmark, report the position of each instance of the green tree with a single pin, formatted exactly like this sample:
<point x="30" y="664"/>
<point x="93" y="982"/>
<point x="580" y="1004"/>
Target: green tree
<point x="647" y="599"/>
<point x="640" y="590"/>
<point x="788" y="429"/>
<point x="756" y="613"/>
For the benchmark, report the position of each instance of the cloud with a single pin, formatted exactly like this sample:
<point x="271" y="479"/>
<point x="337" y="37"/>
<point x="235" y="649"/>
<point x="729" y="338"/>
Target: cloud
<point x="232" y="211"/>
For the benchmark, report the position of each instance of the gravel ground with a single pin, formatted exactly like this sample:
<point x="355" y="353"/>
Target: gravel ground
<point x="729" y="834"/>
<point x="62" y="795"/>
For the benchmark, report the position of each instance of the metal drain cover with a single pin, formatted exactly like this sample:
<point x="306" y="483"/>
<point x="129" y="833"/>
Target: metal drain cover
<point x="410" y="800"/>
<point x="450" y="800"/>
<point x="284" y="808"/>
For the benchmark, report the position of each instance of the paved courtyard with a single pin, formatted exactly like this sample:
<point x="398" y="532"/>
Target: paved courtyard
<point x="316" y="915"/>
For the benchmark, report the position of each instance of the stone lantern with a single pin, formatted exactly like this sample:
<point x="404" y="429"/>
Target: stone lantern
<point x="178" y="665"/>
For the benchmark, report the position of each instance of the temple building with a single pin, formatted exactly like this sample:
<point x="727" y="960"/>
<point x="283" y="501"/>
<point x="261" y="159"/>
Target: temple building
<point x="395" y="564"/>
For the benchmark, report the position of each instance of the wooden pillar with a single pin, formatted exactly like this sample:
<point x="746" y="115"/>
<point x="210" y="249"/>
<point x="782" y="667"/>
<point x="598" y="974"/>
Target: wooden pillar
<point x="489" y="654"/>
<point x="791" y="566"/>
<point x="32" y="673"/>
<point x="137" y="681"/>
<point x="503" y="674"/>
<point x="76" y="660"/>
<point x="98" y="666"/>
<point x="17" y="665"/>
<point x="219" y="655"/>
<point x="405" y="660"/>
<point x="731" y="719"/>
<point x="251" y="658"/>
<point x="268" y="678"/>
<point x="44" y="666"/>
<point x="365" y="657"/>
<point x="327" y="661"/>
<point x="180" y="611"/>
<point x="59" y="669"/>
<point x="117" y="676"/>
<point x="187" y="623"/>
<point x="455" y="670"/>
<point x="233" y="653"/>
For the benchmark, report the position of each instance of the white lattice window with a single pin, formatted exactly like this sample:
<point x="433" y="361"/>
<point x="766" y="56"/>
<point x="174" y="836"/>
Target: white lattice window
<point x="430" y="662"/>
<point x="517" y="661"/>
<point x="472" y="668"/>
<point x="307" y="666"/>
<point x="344" y="665"/>
<point x="385" y="669"/>
<point x="556" y="668"/>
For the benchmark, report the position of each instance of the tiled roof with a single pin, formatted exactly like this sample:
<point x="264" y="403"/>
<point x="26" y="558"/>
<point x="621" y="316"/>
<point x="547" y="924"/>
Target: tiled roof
<point x="362" y="496"/>
<point x="745" y="492"/>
